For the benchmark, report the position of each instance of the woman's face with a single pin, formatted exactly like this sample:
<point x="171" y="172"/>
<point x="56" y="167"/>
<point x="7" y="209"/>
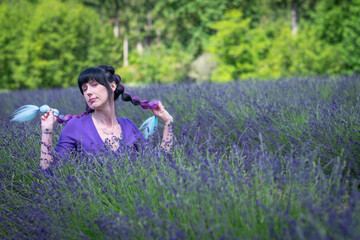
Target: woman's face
<point x="95" y="94"/>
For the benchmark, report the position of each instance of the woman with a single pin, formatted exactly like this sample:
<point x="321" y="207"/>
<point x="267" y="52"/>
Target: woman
<point x="101" y="130"/>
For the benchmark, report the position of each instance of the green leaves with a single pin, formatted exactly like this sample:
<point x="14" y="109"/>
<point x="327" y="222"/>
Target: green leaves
<point x="56" y="43"/>
<point x="237" y="46"/>
<point x="351" y="40"/>
<point x="158" y="65"/>
<point x="270" y="51"/>
<point x="47" y="43"/>
<point x="13" y="18"/>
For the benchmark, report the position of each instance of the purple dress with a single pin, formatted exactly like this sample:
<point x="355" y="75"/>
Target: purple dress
<point x="80" y="135"/>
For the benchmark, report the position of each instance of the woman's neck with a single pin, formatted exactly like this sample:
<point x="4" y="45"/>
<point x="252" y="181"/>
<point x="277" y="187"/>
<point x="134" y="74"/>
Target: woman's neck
<point x="105" y="116"/>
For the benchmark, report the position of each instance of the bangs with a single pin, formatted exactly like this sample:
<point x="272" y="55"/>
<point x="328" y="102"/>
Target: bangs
<point x="92" y="74"/>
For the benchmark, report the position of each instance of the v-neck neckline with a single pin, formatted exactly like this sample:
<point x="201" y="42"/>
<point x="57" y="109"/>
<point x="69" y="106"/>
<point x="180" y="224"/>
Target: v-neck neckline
<point x="98" y="134"/>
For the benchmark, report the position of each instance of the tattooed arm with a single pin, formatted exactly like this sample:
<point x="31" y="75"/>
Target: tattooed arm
<point x="47" y="125"/>
<point x="168" y="135"/>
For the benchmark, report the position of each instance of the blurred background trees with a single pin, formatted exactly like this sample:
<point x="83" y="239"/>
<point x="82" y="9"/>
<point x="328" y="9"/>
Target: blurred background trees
<point x="47" y="43"/>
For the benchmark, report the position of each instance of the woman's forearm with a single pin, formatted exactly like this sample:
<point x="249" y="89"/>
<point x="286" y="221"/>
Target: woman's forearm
<point x="46" y="146"/>
<point x="168" y="136"/>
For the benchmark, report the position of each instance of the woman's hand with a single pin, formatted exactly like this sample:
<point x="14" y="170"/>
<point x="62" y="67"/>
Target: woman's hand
<point x="161" y="113"/>
<point x="48" y="121"/>
<point x="168" y="138"/>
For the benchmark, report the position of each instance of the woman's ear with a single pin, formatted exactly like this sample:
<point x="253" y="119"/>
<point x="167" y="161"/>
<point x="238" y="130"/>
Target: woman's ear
<point x="113" y="86"/>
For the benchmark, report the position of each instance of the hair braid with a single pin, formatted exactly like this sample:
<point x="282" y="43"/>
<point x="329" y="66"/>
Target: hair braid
<point x="68" y="117"/>
<point x="104" y="75"/>
<point x="120" y="90"/>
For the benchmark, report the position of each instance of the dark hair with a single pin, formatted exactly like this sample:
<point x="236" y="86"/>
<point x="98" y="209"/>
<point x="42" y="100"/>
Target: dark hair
<point x="104" y="75"/>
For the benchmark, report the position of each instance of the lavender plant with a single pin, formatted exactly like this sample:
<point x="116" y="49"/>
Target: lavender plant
<point x="251" y="160"/>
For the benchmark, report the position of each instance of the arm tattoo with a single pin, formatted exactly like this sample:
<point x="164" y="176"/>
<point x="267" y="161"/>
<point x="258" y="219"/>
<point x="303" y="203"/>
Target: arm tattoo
<point x="170" y="130"/>
<point x="170" y="127"/>
<point x="167" y="141"/>
<point x="47" y="131"/>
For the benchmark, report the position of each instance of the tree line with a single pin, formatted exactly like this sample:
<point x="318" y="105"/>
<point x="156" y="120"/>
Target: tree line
<point x="47" y="43"/>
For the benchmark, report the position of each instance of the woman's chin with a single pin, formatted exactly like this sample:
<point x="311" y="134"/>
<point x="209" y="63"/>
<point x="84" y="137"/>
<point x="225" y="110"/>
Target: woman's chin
<point x="93" y="105"/>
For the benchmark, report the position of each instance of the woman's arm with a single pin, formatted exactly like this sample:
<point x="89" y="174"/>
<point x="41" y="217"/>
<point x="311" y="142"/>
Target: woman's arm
<point x="168" y="134"/>
<point x="47" y="125"/>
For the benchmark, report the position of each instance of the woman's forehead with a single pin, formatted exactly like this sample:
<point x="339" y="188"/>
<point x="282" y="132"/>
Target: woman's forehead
<point x="89" y="81"/>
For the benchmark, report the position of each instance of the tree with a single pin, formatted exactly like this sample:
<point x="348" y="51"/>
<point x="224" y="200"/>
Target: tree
<point x="269" y="51"/>
<point x="60" y="41"/>
<point x="237" y="47"/>
<point x="292" y="10"/>
<point x="337" y="24"/>
<point x="13" y="18"/>
<point x="301" y="55"/>
<point x="131" y="20"/>
<point x="189" y="21"/>
<point x="350" y="46"/>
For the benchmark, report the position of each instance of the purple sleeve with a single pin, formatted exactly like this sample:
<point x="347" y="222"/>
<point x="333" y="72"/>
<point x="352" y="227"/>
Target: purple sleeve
<point x="67" y="141"/>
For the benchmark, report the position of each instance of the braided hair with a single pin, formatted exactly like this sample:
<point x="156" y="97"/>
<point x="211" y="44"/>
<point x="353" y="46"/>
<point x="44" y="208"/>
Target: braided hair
<point x="103" y="74"/>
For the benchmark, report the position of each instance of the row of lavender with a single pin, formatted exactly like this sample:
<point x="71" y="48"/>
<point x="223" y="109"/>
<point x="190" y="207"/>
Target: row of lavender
<point x="252" y="159"/>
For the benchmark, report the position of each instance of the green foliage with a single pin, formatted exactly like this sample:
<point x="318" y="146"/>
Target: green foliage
<point x="13" y="18"/>
<point x="60" y="37"/>
<point x="48" y="43"/>
<point x="189" y="21"/>
<point x="336" y="21"/>
<point x="303" y="54"/>
<point x="59" y="40"/>
<point x="272" y="51"/>
<point x="329" y="19"/>
<point x="223" y="73"/>
<point x="233" y="46"/>
<point x="313" y="56"/>
<point x="351" y="40"/>
<point x="157" y="65"/>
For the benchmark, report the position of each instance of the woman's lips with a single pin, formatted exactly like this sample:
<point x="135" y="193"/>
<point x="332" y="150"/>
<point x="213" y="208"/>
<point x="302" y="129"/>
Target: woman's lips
<point x="92" y="100"/>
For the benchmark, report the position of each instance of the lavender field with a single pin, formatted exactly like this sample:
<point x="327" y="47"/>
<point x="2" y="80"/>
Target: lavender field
<point x="251" y="160"/>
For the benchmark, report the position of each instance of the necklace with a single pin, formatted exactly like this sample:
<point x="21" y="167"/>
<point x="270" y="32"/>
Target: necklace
<point x="105" y="130"/>
<point x="110" y="132"/>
